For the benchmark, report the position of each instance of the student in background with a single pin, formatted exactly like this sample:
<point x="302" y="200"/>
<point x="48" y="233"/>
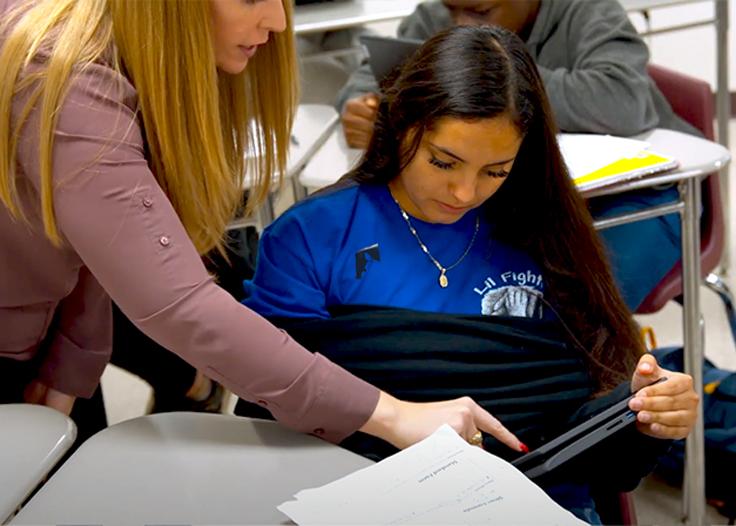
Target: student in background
<point x="462" y="218"/>
<point x="122" y="139"/>
<point x="593" y="65"/>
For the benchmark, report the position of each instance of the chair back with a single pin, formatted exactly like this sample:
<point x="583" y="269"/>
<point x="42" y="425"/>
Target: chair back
<point x="691" y="99"/>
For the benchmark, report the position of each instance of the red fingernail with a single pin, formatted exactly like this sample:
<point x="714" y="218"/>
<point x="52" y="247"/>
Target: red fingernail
<point x="523" y="447"/>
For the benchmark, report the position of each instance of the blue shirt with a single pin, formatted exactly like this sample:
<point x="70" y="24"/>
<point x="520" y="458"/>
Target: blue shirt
<point x="353" y="247"/>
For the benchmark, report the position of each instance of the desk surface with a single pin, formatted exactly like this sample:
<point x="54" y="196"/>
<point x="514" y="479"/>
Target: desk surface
<point x="312" y="125"/>
<point x="333" y="160"/>
<point x="330" y="16"/>
<point x="187" y="468"/>
<point x="697" y="157"/>
<point x="643" y="5"/>
<point x="32" y="441"/>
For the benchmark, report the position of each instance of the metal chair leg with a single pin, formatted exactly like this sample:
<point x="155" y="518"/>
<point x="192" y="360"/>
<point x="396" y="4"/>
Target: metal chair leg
<point x="300" y="191"/>
<point x="717" y="285"/>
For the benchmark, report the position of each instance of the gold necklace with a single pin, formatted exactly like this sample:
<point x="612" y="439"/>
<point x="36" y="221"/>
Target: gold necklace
<point x="443" y="270"/>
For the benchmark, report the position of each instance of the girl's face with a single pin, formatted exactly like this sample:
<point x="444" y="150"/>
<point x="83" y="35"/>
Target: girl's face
<point x="240" y="26"/>
<point x="458" y="166"/>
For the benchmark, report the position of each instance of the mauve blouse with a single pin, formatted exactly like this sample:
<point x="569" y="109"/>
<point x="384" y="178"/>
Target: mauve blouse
<point x="122" y="239"/>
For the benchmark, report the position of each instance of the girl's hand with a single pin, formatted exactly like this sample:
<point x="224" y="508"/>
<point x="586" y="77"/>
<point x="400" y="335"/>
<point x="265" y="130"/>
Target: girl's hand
<point x="667" y="409"/>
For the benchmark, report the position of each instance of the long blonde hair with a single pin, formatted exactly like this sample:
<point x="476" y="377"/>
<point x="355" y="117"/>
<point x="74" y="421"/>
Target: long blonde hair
<point x="196" y="147"/>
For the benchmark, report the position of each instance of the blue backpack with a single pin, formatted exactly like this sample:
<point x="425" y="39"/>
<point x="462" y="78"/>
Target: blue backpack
<point x="719" y="421"/>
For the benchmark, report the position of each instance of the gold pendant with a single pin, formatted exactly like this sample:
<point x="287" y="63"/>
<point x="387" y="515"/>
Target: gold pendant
<point x="443" y="280"/>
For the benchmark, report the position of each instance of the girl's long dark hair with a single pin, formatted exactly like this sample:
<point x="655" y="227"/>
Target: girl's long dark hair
<point x="476" y="73"/>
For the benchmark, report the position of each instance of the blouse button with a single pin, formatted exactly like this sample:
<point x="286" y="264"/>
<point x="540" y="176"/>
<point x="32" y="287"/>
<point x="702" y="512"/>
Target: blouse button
<point x="263" y="403"/>
<point x="147" y="202"/>
<point x="164" y="241"/>
<point x="319" y="431"/>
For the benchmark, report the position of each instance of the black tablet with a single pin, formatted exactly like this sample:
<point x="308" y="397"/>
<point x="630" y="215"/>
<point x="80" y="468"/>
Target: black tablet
<point x="386" y="53"/>
<point x="573" y="442"/>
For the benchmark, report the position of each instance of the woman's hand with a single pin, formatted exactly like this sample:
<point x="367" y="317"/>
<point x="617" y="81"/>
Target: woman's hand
<point x="665" y="410"/>
<point x="405" y="423"/>
<point x="41" y="394"/>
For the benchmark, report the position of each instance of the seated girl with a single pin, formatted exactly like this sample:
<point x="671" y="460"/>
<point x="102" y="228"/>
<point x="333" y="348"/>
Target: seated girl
<point x="458" y="259"/>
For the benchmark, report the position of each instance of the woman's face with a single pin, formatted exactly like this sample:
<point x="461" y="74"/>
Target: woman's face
<point x="240" y="26"/>
<point x="458" y="166"/>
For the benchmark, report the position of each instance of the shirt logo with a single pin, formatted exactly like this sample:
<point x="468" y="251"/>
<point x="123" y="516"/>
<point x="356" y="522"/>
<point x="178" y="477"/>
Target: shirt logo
<point x="515" y="294"/>
<point x="523" y="302"/>
<point x="363" y="257"/>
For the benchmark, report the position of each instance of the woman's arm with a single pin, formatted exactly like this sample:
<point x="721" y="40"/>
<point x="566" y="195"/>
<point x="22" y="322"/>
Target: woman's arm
<point x="111" y="211"/>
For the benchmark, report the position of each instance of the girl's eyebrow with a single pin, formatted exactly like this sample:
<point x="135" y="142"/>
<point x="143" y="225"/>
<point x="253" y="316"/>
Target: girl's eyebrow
<point x="454" y="156"/>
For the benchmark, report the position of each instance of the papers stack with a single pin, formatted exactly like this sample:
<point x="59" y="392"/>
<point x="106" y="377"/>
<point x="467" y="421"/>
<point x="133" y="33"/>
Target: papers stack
<point x="595" y="161"/>
<point x="441" y="480"/>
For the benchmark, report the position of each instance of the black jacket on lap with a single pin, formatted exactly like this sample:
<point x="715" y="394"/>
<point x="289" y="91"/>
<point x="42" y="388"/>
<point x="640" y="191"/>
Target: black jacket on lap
<point x="523" y="371"/>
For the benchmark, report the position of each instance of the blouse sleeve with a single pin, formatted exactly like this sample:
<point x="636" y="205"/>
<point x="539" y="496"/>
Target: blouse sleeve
<point x="111" y="211"/>
<point x="81" y="343"/>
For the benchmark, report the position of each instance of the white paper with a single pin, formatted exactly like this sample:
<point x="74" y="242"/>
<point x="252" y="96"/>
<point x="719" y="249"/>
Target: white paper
<point x="586" y="153"/>
<point x="441" y="480"/>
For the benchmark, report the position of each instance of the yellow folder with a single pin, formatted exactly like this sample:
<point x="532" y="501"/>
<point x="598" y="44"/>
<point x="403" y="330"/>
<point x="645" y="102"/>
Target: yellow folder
<point x="646" y="163"/>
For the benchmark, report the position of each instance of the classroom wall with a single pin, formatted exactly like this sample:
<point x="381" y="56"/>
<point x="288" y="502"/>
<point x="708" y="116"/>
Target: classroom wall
<point x="691" y="51"/>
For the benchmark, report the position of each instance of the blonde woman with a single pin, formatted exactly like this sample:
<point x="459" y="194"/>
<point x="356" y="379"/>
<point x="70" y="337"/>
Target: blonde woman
<point x="122" y="130"/>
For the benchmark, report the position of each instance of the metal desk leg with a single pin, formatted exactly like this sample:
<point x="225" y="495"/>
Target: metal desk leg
<point x="694" y="492"/>
<point x="723" y="109"/>
<point x="265" y="212"/>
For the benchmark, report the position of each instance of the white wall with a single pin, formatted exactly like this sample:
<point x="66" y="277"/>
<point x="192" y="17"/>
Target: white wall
<point x="691" y="51"/>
